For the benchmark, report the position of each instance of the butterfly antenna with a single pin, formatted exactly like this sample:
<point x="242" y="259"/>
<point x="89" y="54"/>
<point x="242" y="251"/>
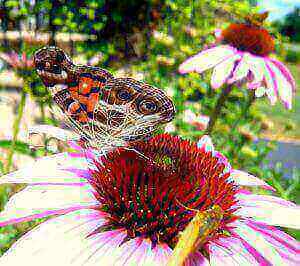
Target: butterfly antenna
<point x="182" y="205"/>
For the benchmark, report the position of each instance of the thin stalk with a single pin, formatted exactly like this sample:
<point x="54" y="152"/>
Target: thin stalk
<point x="16" y="129"/>
<point x="244" y="115"/>
<point x="217" y="110"/>
<point x="245" y="109"/>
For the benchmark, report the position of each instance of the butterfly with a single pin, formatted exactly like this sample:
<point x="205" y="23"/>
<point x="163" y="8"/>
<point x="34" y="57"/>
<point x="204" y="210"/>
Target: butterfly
<point x="257" y="19"/>
<point x="104" y="110"/>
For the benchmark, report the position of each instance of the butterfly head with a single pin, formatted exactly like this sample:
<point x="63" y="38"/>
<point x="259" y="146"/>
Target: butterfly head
<point x="52" y="65"/>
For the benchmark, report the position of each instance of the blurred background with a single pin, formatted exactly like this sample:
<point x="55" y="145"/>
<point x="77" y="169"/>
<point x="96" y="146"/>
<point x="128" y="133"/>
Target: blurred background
<point x="147" y="40"/>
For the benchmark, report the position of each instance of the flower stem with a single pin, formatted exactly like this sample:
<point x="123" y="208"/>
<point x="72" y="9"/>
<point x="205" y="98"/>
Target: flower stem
<point x="16" y="128"/>
<point x="245" y="109"/>
<point x="217" y="110"/>
<point x="244" y="115"/>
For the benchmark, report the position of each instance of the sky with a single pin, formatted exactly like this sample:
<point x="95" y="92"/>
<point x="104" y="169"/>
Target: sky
<point x="278" y="8"/>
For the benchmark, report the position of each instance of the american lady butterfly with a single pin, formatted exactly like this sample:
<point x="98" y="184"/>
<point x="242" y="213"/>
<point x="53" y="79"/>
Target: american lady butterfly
<point x="105" y="111"/>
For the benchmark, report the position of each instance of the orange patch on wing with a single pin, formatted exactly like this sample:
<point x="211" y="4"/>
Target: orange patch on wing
<point x="86" y="84"/>
<point x="92" y="101"/>
<point x="82" y="117"/>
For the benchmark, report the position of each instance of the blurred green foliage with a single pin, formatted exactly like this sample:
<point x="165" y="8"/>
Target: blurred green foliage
<point x="150" y="39"/>
<point x="292" y="56"/>
<point x="290" y="25"/>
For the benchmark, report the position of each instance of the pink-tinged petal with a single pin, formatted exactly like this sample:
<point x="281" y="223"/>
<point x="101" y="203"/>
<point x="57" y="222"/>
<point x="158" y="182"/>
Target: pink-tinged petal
<point x="241" y="71"/>
<point x="288" y="241"/>
<point x="103" y="249"/>
<point x="56" y="241"/>
<point x="142" y="255"/>
<point x="244" y="179"/>
<point x="256" y="200"/>
<point x="285" y="245"/>
<point x="159" y="255"/>
<point x="284" y="88"/>
<point x="74" y="145"/>
<point x="256" y="254"/>
<point x="271" y="85"/>
<point x="260" y="91"/>
<point x="49" y="170"/>
<point x="258" y="242"/>
<point x="230" y="251"/>
<point x="256" y="67"/>
<point x="41" y="201"/>
<point x="196" y="259"/>
<point x="222" y="159"/>
<point x="206" y="143"/>
<point x="162" y="252"/>
<point x="7" y="58"/>
<point x="285" y="71"/>
<point x="55" y="132"/>
<point x="145" y="255"/>
<point x="206" y="59"/>
<point x="269" y="209"/>
<point x="222" y="71"/>
<point x="109" y="248"/>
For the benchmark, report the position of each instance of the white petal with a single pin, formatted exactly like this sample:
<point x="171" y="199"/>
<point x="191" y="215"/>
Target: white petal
<point x="285" y="71"/>
<point x="271" y="89"/>
<point x="56" y="241"/>
<point x="196" y="259"/>
<point x="242" y="69"/>
<point x="107" y="249"/>
<point x="49" y="170"/>
<point x="269" y="209"/>
<point x="230" y="251"/>
<point x="206" y="59"/>
<point x="284" y="88"/>
<point x="222" y="71"/>
<point x="206" y="143"/>
<point x="244" y="179"/>
<point x="260" y="91"/>
<point x="256" y="66"/>
<point x="257" y="241"/>
<point x="145" y="256"/>
<point x="287" y="247"/>
<point x="102" y="249"/>
<point x="55" y="132"/>
<point x="40" y="201"/>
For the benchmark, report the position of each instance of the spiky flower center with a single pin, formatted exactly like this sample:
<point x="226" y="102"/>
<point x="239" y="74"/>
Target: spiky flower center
<point x="155" y="195"/>
<point x="249" y="38"/>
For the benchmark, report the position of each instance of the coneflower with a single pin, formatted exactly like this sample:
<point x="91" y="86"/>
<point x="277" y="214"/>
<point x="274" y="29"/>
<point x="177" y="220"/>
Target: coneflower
<point x="129" y="207"/>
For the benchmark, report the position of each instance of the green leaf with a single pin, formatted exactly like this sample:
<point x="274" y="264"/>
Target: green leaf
<point x="20" y="147"/>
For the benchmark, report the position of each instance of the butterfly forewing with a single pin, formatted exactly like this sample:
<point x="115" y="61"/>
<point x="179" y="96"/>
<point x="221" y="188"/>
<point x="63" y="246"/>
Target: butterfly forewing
<point x="102" y="109"/>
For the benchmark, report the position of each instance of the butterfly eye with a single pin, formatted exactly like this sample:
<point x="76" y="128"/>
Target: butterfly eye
<point x="60" y="57"/>
<point x="147" y="107"/>
<point x="56" y="69"/>
<point x="124" y="95"/>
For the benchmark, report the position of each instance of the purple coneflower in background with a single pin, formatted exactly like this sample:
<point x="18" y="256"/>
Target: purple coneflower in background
<point x="243" y="56"/>
<point x="16" y="61"/>
<point x="127" y="209"/>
